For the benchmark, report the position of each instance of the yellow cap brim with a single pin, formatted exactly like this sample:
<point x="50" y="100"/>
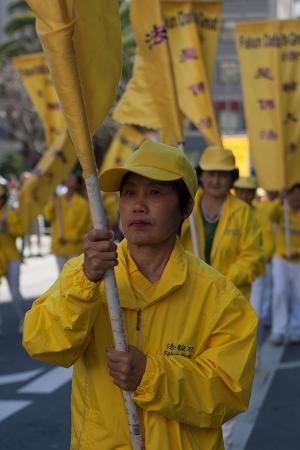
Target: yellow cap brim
<point x="110" y="179"/>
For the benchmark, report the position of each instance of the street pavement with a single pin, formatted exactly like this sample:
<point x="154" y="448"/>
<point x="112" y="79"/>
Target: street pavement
<point x="35" y="397"/>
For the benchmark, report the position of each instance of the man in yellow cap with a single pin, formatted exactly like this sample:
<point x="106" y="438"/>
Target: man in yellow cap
<point x="245" y="190"/>
<point x="185" y="383"/>
<point x="227" y="230"/>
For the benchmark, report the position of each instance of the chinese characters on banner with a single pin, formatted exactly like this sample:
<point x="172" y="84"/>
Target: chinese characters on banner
<point x="177" y="43"/>
<point x="60" y="157"/>
<point x="188" y="62"/>
<point x="269" y="54"/>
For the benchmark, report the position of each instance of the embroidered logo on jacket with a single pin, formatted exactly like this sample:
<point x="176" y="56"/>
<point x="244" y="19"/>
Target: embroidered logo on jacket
<point x="233" y="232"/>
<point x="178" y="350"/>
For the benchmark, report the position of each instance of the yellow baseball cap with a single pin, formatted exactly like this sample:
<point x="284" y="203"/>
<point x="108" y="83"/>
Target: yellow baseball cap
<point x="155" y="161"/>
<point x="246" y="183"/>
<point x="216" y="157"/>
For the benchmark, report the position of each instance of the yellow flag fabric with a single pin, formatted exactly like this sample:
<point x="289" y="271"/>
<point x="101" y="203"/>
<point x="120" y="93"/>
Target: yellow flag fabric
<point x="60" y="157"/>
<point x="269" y="53"/>
<point x="176" y="41"/>
<point x="187" y="56"/>
<point x="34" y="72"/>
<point x="126" y="140"/>
<point x="82" y="42"/>
<point x="55" y="164"/>
<point x="151" y="35"/>
<point x="137" y="105"/>
<point x="208" y="18"/>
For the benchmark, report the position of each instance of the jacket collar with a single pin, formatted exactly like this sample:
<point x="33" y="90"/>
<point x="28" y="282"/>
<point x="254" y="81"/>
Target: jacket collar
<point x="174" y="276"/>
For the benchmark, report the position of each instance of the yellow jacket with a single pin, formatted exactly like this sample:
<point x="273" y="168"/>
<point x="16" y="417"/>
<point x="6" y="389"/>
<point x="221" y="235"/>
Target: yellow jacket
<point x="267" y="232"/>
<point x="76" y="222"/>
<point x="196" y="329"/>
<point x="8" y="248"/>
<point x="280" y="237"/>
<point x="236" y="250"/>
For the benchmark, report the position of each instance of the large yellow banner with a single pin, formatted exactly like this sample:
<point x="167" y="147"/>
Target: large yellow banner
<point x="269" y="53"/>
<point x="173" y="68"/>
<point x="192" y="85"/>
<point x="34" y="73"/>
<point x="60" y="157"/>
<point x="151" y="36"/>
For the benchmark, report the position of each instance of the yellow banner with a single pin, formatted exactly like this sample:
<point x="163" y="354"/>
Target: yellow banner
<point x="269" y="55"/>
<point x="137" y="105"/>
<point x="34" y="72"/>
<point x="53" y="167"/>
<point x="60" y="157"/>
<point x="126" y="140"/>
<point x="151" y="35"/>
<point x="208" y="20"/>
<point x="193" y="90"/>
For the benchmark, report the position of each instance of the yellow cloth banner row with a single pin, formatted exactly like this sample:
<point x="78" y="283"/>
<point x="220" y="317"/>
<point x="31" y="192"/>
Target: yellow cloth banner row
<point x="60" y="157"/>
<point x="269" y="53"/>
<point x="173" y="68"/>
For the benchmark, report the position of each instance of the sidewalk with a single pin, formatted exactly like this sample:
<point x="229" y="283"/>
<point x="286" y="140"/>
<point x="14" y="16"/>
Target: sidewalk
<point x="37" y="273"/>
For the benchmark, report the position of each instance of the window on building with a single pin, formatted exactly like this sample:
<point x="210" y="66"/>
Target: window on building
<point x="228" y="72"/>
<point x="296" y="8"/>
<point x="227" y="31"/>
<point x="230" y="116"/>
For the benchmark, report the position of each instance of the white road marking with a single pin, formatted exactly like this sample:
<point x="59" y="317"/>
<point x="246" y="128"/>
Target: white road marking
<point x="19" y="377"/>
<point x="49" y="382"/>
<point x="10" y="407"/>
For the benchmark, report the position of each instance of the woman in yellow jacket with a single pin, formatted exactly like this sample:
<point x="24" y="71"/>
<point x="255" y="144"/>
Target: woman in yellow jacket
<point x="185" y="383"/>
<point x="245" y="190"/>
<point x="10" y="229"/>
<point x="229" y="237"/>
<point x="69" y="215"/>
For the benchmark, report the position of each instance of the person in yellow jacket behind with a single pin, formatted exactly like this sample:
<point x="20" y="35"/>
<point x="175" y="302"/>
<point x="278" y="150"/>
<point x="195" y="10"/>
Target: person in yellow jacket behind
<point x="245" y="190"/>
<point x="286" y="272"/>
<point x="185" y="382"/>
<point x="70" y="219"/>
<point x="10" y="229"/>
<point x="229" y="237"/>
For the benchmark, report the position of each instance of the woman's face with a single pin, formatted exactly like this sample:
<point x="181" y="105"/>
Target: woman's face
<point x="216" y="183"/>
<point x="246" y="195"/>
<point x="149" y="211"/>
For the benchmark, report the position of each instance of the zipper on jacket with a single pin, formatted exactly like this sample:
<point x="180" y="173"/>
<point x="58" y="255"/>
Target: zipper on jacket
<point x="138" y="319"/>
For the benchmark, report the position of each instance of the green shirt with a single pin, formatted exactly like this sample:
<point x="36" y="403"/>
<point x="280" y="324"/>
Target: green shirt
<point x="209" y="234"/>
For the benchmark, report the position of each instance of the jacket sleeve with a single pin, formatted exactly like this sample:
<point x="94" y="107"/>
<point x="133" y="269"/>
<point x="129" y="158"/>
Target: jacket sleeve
<point x="14" y="224"/>
<point x="212" y="387"/>
<point x="57" y="328"/>
<point x="49" y="211"/>
<point x="250" y="261"/>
